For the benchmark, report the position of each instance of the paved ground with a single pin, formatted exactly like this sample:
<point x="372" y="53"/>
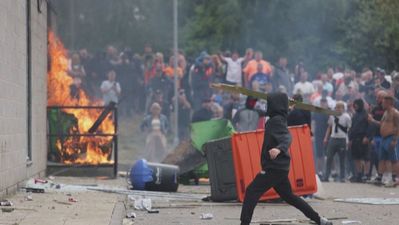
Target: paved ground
<point x="97" y="208"/>
<point x="227" y="214"/>
<point x="53" y="208"/>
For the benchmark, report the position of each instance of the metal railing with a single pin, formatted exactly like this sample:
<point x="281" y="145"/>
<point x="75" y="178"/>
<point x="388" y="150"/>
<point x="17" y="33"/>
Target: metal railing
<point x="58" y="130"/>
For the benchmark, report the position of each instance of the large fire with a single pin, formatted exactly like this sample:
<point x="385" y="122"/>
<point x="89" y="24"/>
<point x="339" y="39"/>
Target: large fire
<point x="76" y="149"/>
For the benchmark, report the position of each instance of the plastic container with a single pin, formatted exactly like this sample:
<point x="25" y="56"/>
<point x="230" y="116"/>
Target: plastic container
<point x="154" y="176"/>
<point x="221" y="169"/>
<point x="246" y="155"/>
<point x="202" y="132"/>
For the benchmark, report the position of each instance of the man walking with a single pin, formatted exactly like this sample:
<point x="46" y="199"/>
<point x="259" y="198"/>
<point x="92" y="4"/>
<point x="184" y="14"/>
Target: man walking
<point x="275" y="160"/>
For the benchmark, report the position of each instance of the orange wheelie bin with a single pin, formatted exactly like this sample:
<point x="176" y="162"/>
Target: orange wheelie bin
<point x="247" y="152"/>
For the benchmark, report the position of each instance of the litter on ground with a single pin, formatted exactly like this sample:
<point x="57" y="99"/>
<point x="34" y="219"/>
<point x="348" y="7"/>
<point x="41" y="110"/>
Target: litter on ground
<point x="370" y="201"/>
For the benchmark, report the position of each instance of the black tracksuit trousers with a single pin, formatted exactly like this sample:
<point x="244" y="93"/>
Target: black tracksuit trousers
<point x="277" y="179"/>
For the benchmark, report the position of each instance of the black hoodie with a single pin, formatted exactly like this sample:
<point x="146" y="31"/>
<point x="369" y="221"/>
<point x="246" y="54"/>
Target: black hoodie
<point x="276" y="133"/>
<point x="360" y="127"/>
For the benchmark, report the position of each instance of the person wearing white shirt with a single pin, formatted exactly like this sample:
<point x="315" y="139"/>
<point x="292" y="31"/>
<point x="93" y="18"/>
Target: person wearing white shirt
<point x="304" y="87"/>
<point x="234" y="68"/>
<point x="337" y="137"/>
<point x="110" y="88"/>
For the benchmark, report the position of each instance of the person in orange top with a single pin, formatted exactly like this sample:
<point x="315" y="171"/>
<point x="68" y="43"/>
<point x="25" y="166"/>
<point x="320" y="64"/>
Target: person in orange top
<point x="170" y="71"/>
<point x="251" y="68"/>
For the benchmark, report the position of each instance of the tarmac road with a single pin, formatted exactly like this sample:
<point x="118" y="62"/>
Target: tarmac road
<point x="226" y="214"/>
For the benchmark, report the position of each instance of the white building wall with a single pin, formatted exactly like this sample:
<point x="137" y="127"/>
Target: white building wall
<point x="14" y="165"/>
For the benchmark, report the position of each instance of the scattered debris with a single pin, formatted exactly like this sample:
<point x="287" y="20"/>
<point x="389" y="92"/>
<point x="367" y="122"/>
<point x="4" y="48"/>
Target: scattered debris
<point x="62" y="203"/>
<point x="29" y="198"/>
<point x="153" y="211"/>
<point x="157" y="195"/>
<point x="123" y="173"/>
<point x="351" y="222"/>
<point x="370" y="201"/>
<point x="51" y="178"/>
<point x="40" y="181"/>
<point x="143" y="204"/>
<point x="131" y="215"/>
<point x="71" y="199"/>
<point x="206" y="216"/>
<point x="5" y="203"/>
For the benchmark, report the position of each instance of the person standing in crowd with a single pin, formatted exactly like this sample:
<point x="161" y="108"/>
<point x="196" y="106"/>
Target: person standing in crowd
<point x="110" y="88"/>
<point x="139" y="94"/>
<point x="395" y="88"/>
<point x="113" y="56"/>
<point x="157" y="126"/>
<point x="162" y="83"/>
<point x="259" y="80"/>
<point x="249" y="55"/>
<point x="148" y="61"/>
<point x="247" y="119"/>
<point x="204" y="113"/>
<point x="184" y="115"/>
<point x="170" y="71"/>
<point x="298" y="70"/>
<point x="78" y="74"/>
<point x="377" y="113"/>
<point x="252" y="67"/>
<point x="336" y="137"/>
<point x="368" y="86"/>
<point x="298" y="117"/>
<point x="126" y="78"/>
<point x="234" y="68"/>
<point x="304" y="87"/>
<point x="320" y="128"/>
<point x="282" y="76"/>
<point x="359" y="136"/>
<point x="347" y="89"/>
<point x="327" y="84"/>
<point x="200" y="81"/>
<point x="231" y="106"/>
<point x="218" y="69"/>
<point x="382" y="81"/>
<point x="275" y="163"/>
<point x="389" y="130"/>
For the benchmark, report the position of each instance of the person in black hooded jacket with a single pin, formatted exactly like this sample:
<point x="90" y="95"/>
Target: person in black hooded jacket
<point x="359" y="136"/>
<point x="275" y="162"/>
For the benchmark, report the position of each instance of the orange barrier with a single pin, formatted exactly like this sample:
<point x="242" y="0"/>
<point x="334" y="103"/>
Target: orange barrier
<point x="247" y="147"/>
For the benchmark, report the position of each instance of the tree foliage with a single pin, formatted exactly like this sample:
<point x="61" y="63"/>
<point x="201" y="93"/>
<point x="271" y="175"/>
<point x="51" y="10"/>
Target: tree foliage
<point x="352" y="33"/>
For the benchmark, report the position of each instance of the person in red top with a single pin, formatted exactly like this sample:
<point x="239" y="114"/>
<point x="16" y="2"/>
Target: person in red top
<point x="251" y="68"/>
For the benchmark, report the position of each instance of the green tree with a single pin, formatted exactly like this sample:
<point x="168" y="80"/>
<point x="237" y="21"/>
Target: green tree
<point x="371" y="34"/>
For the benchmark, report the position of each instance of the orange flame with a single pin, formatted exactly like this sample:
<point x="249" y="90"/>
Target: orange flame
<point x="75" y="149"/>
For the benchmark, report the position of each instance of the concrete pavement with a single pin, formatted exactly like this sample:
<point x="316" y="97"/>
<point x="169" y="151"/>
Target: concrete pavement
<point x="98" y="208"/>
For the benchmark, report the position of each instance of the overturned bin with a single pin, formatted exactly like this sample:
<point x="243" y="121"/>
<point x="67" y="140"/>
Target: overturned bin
<point x="202" y="132"/>
<point x="154" y="176"/>
<point x="221" y="169"/>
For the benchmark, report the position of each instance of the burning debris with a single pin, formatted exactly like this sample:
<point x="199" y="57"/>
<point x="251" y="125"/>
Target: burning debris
<point x="79" y="131"/>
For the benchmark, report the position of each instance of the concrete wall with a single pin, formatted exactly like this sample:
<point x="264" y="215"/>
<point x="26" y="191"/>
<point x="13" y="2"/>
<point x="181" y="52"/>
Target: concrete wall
<point x="15" y="167"/>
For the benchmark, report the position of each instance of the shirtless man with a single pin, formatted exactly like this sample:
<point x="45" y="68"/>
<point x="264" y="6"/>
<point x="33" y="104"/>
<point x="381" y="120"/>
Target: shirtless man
<point x="389" y="129"/>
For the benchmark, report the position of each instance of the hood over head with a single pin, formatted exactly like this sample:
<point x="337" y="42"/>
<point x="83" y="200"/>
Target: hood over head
<point x="250" y="102"/>
<point x="360" y="105"/>
<point x="277" y="104"/>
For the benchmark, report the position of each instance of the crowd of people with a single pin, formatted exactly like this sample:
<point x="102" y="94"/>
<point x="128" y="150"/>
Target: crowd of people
<point x="363" y="137"/>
